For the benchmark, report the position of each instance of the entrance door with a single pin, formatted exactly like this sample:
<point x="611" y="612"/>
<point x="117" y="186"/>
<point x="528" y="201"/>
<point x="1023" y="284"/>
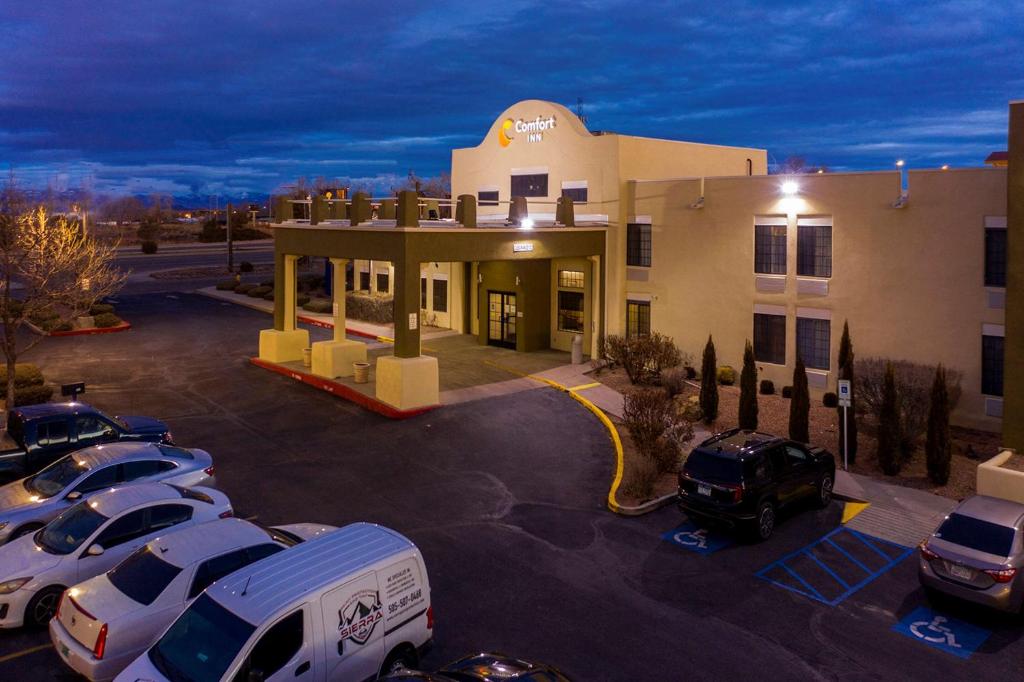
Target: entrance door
<point x="501" y="319"/>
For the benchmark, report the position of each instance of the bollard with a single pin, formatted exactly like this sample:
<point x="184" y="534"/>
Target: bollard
<point x="465" y="210"/>
<point x="408" y="209"/>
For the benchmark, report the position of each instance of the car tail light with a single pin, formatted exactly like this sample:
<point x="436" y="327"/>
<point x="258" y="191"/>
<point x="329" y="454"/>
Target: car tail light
<point x="227" y="514"/>
<point x="430" y="618"/>
<point x="736" y="491"/>
<point x="209" y="470"/>
<point x="1002" y="575"/>
<point x="926" y="553"/>
<point x="101" y="644"/>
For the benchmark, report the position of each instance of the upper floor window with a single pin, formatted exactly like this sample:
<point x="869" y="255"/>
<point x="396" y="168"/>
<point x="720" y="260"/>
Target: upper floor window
<point x="575" y="190"/>
<point x="570" y="279"/>
<point x="487" y="197"/>
<point x="813" y="249"/>
<point x="534" y="185"/>
<point x="995" y="256"/>
<point x="638" y="245"/>
<point x="770" y="249"/>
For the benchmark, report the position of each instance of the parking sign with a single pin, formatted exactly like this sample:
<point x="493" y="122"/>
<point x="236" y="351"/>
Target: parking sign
<point x="844" y="393"/>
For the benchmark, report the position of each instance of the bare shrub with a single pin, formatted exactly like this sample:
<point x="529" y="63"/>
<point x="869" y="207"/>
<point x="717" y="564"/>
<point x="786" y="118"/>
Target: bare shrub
<point x="673" y="380"/>
<point x="643" y="357"/>
<point x="640" y="478"/>
<point x="658" y="433"/>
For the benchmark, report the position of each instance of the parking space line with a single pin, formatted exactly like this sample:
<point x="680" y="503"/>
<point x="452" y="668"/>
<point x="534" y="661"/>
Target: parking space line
<point x="869" y="545"/>
<point x="814" y="594"/>
<point x="24" y="652"/>
<point x="848" y="555"/>
<point x="828" y="570"/>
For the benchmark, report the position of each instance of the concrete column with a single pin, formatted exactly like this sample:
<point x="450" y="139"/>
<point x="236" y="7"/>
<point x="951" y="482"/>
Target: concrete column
<point x="338" y="279"/>
<point x="408" y="209"/>
<point x="332" y="359"/>
<point x="283" y="343"/>
<point x="465" y="210"/>
<point x="282" y="209"/>
<point x="596" y="306"/>
<point x="406" y="290"/>
<point x="291" y="285"/>
<point x="565" y="213"/>
<point x="318" y="210"/>
<point x="1013" y="360"/>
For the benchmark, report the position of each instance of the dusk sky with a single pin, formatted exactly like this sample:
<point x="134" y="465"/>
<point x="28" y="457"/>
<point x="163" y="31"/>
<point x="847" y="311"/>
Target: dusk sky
<point x="195" y="98"/>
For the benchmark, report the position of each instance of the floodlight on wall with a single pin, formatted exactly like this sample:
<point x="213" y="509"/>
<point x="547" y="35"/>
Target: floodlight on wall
<point x="901" y="201"/>
<point x="698" y="204"/>
<point x="526" y="223"/>
<point x="789" y="188"/>
<point x="900" y="163"/>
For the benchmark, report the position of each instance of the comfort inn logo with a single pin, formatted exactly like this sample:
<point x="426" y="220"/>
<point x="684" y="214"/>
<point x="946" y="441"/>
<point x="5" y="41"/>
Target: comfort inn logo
<point x="503" y="137"/>
<point x="534" y="129"/>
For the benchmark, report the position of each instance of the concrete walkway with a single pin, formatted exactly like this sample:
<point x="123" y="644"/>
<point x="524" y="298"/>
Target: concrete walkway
<point x="895" y="513"/>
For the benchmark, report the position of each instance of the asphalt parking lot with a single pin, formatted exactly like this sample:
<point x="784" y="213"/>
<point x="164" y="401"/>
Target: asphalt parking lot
<point x="505" y="497"/>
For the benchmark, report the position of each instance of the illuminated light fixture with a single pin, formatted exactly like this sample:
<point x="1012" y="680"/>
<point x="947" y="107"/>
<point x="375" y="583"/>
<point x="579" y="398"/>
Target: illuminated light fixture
<point x="945" y="166"/>
<point x="900" y="163"/>
<point x="526" y="224"/>
<point x="820" y="171"/>
<point x="790" y="188"/>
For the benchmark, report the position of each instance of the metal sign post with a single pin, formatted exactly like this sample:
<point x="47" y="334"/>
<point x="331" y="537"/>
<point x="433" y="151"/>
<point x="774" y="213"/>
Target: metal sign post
<point x="845" y="402"/>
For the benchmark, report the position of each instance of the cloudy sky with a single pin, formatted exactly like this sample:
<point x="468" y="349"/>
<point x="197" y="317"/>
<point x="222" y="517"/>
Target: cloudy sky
<point x="193" y="97"/>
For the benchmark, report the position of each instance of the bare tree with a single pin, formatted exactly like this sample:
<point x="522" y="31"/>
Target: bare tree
<point x="50" y="266"/>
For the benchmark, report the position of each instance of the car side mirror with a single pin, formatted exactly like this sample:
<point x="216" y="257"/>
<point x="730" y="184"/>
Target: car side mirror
<point x="256" y="675"/>
<point x="95" y="550"/>
<point x="73" y="496"/>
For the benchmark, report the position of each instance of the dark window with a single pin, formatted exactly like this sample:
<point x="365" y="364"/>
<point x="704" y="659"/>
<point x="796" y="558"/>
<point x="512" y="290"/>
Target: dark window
<point x="770" y="249"/>
<point x="812" y="342"/>
<point x="440" y="295"/>
<point x="167" y="515"/>
<point x="638" y="245"/>
<point x="577" y="194"/>
<point x="638" y="318"/>
<point x="814" y="250"/>
<point x="124" y="529"/>
<point x="487" y="198"/>
<point x="364" y="281"/>
<point x="68" y="531"/>
<point x="570" y="279"/>
<point x="570" y="311"/>
<point x="257" y="552"/>
<point x="423" y="292"/>
<point x="995" y="257"/>
<point x="276" y="647"/>
<point x="756" y="469"/>
<point x="779" y="461"/>
<point x="705" y="465"/>
<point x="770" y="338"/>
<point x="52" y="432"/>
<point x="92" y="428"/>
<point x="216" y="568"/>
<point x="383" y="285"/>
<point x="350" y="277"/>
<point x="134" y="470"/>
<point x="143" y="576"/>
<point x="982" y="536"/>
<point x="795" y="455"/>
<point x="992" y="365"/>
<point x="201" y="643"/>
<point x="530" y="185"/>
<point x="173" y="451"/>
<point x="98" y="480"/>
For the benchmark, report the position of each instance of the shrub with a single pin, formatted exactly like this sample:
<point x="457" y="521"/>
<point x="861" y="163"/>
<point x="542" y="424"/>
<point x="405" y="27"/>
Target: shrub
<point x="747" y="418"/>
<point x="258" y="292"/>
<point x="149" y="231"/>
<point x="767" y="387"/>
<point x="800" y="405"/>
<point x="830" y="399"/>
<point x="643" y="357"/>
<point x="243" y="288"/>
<point x="691" y="373"/>
<point x="301" y="300"/>
<point x="787" y="392"/>
<point x="227" y="285"/>
<point x="149" y="246"/>
<point x="25" y="374"/>
<point x="369" y="308"/>
<point x="709" y="384"/>
<point x="55" y="325"/>
<point x="639" y="483"/>
<point x="726" y="375"/>
<point x="889" y="459"/>
<point x="268" y="283"/>
<point x="690" y="409"/>
<point x="212" y="232"/>
<point x="310" y="281"/>
<point x="846" y="362"/>
<point x="104" y="320"/>
<point x="245" y="266"/>
<point x="39" y="317"/>
<point x="657" y="434"/>
<point x="100" y="308"/>
<point x="938" y="449"/>
<point x="319" y="305"/>
<point x="269" y="296"/>
<point x="32" y="395"/>
<point x="673" y="380"/>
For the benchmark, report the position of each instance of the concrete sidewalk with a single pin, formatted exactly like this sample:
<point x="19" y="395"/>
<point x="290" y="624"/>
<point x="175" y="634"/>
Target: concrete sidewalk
<point x="893" y="512"/>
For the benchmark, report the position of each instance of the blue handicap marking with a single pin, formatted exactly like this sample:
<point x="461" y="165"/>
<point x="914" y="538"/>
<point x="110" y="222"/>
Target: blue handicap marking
<point x="696" y="539"/>
<point x="942" y="632"/>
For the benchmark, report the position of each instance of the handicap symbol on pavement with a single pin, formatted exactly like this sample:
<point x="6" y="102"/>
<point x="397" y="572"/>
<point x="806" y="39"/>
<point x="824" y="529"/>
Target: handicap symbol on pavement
<point x="948" y="634"/>
<point x="696" y="539"/>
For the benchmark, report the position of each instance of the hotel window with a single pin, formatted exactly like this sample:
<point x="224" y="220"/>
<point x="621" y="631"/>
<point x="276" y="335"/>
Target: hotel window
<point x="423" y="293"/>
<point x="570" y="279"/>
<point x="570" y="311"/>
<point x="535" y="185"/>
<point x="814" y="250"/>
<point x="364" y="280"/>
<point x="575" y="190"/>
<point x="770" y="338"/>
<point x="638" y="245"/>
<point x="992" y="365"/>
<point x="770" y="249"/>
<point x="488" y="198"/>
<point x="638" y="318"/>
<point x="383" y="285"/>
<point x="440" y="295"/>
<point x="995" y="257"/>
<point x="813" y="339"/>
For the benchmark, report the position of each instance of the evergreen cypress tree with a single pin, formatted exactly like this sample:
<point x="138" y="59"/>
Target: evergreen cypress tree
<point x="846" y="372"/>
<point x="800" y="405"/>
<point x="709" y="383"/>
<point x="938" y="449"/>
<point x="748" y="390"/>
<point x="889" y="426"/>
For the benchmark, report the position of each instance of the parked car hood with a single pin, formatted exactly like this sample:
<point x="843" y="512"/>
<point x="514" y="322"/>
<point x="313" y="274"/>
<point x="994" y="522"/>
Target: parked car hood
<point x="137" y="424"/>
<point x="22" y="557"/>
<point x="14" y="496"/>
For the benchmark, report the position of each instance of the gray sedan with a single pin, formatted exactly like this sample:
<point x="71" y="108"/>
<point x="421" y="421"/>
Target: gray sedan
<point x="977" y="554"/>
<point x="28" y="504"/>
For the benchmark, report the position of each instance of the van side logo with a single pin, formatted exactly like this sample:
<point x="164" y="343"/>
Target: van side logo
<point x="359" y="616"/>
<point x="504" y="139"/>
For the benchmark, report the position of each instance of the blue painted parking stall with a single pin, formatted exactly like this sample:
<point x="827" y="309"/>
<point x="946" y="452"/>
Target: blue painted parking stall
<point x="835" y="566"/>
<point x="942" y="632"/>
<point x="694" y="538"/>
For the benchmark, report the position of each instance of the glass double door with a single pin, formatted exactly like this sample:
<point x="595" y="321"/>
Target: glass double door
<point x="501" y="319"/>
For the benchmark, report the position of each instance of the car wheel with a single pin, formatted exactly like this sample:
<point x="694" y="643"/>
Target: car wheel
<point x="765" y="521"/>
<point x="24" y="530"/>
<point x="42" y="607"/>
<point x="400" y="658"/>
<point x="825" y="491"/>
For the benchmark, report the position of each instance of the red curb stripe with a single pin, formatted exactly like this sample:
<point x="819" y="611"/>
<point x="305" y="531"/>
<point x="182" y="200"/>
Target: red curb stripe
<point x="124" y="326"/>
<point x="342" y="391"/>
<point x="330" y="325"/>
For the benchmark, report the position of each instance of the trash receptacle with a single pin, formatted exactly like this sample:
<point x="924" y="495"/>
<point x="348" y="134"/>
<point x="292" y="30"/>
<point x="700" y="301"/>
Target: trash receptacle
<point x="577" y="349"/>
<point x="307" y="357"/>
<point x="361" y="372"/>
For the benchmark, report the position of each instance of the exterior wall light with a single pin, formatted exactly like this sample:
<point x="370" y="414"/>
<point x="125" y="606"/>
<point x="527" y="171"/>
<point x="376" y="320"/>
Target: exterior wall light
<point x="900" y="163"/>
<point x="527" y="224"/>
<point x="789" y="188"/>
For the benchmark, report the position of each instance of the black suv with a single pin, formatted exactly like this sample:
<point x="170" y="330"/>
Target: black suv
<point x="742" y="477"/>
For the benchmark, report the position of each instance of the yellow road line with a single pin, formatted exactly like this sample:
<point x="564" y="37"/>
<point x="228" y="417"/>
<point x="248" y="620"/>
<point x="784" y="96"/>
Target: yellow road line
<point x="24" y="652"/>
<point x="851" y="509"/>
<point x="583" y="387"/>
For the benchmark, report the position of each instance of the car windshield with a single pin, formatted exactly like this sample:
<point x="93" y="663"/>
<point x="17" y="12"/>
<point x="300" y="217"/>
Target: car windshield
<point x="54" y="478"/>
<point x="143" y="576"/>
<point x="201" y="644"/>
<point x="67" y="532"/>
<point x="976" y="534"/>
<point x="278" y="535"/>
<point x="705" y="465"/>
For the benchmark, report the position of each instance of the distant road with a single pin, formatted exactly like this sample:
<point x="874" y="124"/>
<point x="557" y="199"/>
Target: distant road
<point x="174" y="256"/>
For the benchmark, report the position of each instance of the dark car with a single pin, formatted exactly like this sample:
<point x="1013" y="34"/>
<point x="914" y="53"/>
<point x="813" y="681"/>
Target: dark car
<point x="484" y="668"/>
<point x="37" y="435"/>
<point x="741" y="478"/>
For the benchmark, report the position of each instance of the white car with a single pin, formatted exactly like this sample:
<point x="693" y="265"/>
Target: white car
<point x="90" y="538"/>
<point x="104" y="623"/>
<point x="27" y="505"/>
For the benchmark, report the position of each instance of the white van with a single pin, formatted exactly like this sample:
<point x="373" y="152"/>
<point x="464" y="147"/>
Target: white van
<point x="350" y="604"/>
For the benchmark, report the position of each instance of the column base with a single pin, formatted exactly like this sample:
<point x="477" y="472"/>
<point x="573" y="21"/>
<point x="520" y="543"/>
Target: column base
<point x="279" y="346"/>
<point x="408" y="383"/>
<point x="332" y="359"/>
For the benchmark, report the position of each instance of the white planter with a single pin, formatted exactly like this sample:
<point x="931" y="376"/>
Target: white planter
<point x="997" y="481"/>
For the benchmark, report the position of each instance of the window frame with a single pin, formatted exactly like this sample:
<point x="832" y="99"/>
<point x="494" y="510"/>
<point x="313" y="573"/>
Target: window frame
<point x="492" y="198"/>
<point x="435" y="298"/>
<point x="566" y="313"/>
<point x="995" y="262"/>
<point x="811" y="259"/>
<point x="775" y="353"/>
<point x="775" y="261"/>
<point x="812" y="359"/>
<point x="386" y="279"/>
<point x="536" y="184"/>
<point x="642" y="318"/>
<point x="570" y="279"/>
<point x="993" y="372"/>
<point x="639" y="247"/>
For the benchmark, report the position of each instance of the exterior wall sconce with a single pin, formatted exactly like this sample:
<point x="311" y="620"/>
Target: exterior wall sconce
<point x="479" y="278"/>
<point x="517" y="280"/>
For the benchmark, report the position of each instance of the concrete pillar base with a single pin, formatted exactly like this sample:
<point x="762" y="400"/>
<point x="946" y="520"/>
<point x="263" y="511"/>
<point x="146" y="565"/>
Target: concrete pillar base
<point x="408" y="383"/>
<point x="279" y="346"/>
<point x="333" y="359"/>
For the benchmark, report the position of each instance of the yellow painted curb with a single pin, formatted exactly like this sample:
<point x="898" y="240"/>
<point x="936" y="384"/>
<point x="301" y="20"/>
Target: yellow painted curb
<point x="583" y="387"/>
<point x="851" y="509"/>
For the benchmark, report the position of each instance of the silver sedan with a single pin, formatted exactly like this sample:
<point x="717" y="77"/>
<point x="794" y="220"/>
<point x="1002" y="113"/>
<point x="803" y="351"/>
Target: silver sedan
<point x="28" y="504"/>
<point x="977" y="554"/>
